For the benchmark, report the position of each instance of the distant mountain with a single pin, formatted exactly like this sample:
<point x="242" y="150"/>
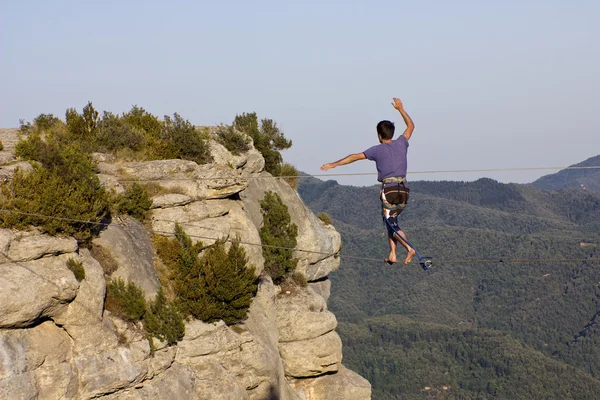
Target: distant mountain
<point x="585" y="179"/>
<point x="470" y="327"/>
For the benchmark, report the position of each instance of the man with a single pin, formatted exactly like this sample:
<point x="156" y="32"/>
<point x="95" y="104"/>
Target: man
<point x="390" y="159"/>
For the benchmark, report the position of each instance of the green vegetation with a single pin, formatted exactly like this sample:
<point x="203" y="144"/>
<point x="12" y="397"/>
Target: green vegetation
<point x="476" y="328"/>
<point x="136" y="134"/>
<point x="125" y="300"/>
<point x="324" y="217"/>
<point x="233" y="141"/>
<point x="62" y="182"/>
<point x="217" y="285"/>
<point x="160" y="319"/>
<point x="77" y="268"/>
<point x="163" y="321"/>
<point x="267" y="137"/>
<point x="290" y="174"/>
<point x="134" y="201"/>
<point x="278" y="236"/>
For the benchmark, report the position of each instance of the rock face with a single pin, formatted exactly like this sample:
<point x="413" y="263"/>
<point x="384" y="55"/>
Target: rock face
<point x="58" y="342"/>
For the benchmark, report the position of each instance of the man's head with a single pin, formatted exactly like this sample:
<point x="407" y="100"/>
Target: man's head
<point x="385" y="130"/>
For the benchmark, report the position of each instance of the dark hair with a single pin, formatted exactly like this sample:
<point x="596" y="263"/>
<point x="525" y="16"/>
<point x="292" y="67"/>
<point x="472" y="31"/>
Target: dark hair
<point x="385" y="129"/>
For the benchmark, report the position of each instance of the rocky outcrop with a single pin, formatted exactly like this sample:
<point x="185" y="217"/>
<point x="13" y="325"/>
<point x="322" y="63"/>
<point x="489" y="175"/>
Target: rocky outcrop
<point x="58" y="342"/>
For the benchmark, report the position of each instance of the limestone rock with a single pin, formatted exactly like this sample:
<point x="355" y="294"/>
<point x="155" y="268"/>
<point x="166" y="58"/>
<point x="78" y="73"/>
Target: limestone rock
<point x="303" y="316"/>
<point x="33" y="290"/>
<point x="35" y="363"/>
<point x="176" y="383"/>
<point x="250" y="161"/>
<point x="132" y="249"/>
<point x="198" y="219"/>
<point x="83" y="318"/>
<point x="313" y="357"/>
<point x="112" y="369"/>
<point x="7" y="172"/>
<point x="9" y="138"/>
<point x="31" y="245"/>
<point x="170" y="200"/>
<point x="210" y="220"/>
<point x="186" y="177"/>
<point x="322" y="288"/>
<point x="343" y="385"/>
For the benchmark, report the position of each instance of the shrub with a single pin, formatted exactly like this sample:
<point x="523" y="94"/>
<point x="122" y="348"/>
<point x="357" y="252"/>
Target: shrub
<point x="125" y="300"/>
<point x="82" y="127"/>
<point x="233" y="141"/>
<point x="278" y="235"/>
<point x="218" y="285"/>
<point x="290" y="174"/>
<point x="1" y="145"/>
<point x="62" y="184"/>
<point x="134" y="201"/>
<point x="324" y="217"/>
<point x="163" y="321"/>
<point x="267" y="137"/>
<point x="180" y="140"/>
<point x="77" y="268"/>
<point x="115" y="134"/>
<point x="45" y="122"/>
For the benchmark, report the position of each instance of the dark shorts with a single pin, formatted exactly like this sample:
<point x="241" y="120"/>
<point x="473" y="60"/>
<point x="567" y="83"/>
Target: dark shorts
<point x="395" y="194"/>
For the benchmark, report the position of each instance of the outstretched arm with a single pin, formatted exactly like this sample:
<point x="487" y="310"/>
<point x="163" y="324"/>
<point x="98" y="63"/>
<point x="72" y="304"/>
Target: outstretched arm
<point x="346" y="160"/>
<point x="410" y="126"/>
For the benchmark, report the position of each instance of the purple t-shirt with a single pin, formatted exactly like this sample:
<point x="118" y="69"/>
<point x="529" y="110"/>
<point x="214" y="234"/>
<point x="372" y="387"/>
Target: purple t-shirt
<point x="390" y="158"/>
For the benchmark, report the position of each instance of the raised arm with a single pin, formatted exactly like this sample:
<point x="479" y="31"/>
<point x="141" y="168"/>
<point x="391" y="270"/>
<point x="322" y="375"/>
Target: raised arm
<point x="346" y="160"/>
<point x="410" y="126"/>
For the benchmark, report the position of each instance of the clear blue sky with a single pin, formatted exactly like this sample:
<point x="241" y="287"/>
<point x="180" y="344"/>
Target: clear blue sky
<point x="489" y="84"/>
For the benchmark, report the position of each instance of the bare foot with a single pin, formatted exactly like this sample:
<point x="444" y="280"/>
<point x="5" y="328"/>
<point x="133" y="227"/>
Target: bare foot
<point x="391" y="259"/>
<point x="409" y="256"/>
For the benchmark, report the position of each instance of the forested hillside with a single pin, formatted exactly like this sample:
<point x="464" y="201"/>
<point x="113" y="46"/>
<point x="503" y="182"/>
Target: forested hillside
<point x="470" y="329"/>
<point x="587" y="178"/>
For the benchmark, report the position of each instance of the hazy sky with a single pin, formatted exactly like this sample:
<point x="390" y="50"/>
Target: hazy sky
<point x="489" y="84"/>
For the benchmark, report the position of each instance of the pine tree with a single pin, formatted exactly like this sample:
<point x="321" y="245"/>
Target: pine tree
<point x="278" y="235"/>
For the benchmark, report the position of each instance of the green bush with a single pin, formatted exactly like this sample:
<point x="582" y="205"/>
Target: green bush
<point x="163" y="321"/>
<point x="1" y="145"/>
<point x="82" y="127"/>
<point x="134" y="201"/>
<point x="77" y="268"/>
<point x="267" y="137"/>
<point x="125" y="300"/>
<point x="45" y="122"/>
<point x="115" y="134"/>
<point x="218" y="285"/>
<point x="278" y="236"/>
<point x="179" y="139"/>
<point x="62" y="185"/>
<point x="324" y="217"/>
<point x="233" y="141"/>
<point x="290" y="174"/>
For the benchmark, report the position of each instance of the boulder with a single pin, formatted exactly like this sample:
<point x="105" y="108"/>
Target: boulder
<point x="313" y="357"/>
<point x="322" y="288"/>
<point x="343" y="385"/>
<point x="199" y="182"/>
<point x="34" y="290"/>
<point x="35" y="363"/>
<point x="131" y="247"/>
<point x="31" y="245"/>
<point x="302" y="316"/>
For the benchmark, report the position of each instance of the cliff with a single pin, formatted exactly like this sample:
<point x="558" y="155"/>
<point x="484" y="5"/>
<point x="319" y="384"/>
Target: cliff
<point x="57" y="341"/>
